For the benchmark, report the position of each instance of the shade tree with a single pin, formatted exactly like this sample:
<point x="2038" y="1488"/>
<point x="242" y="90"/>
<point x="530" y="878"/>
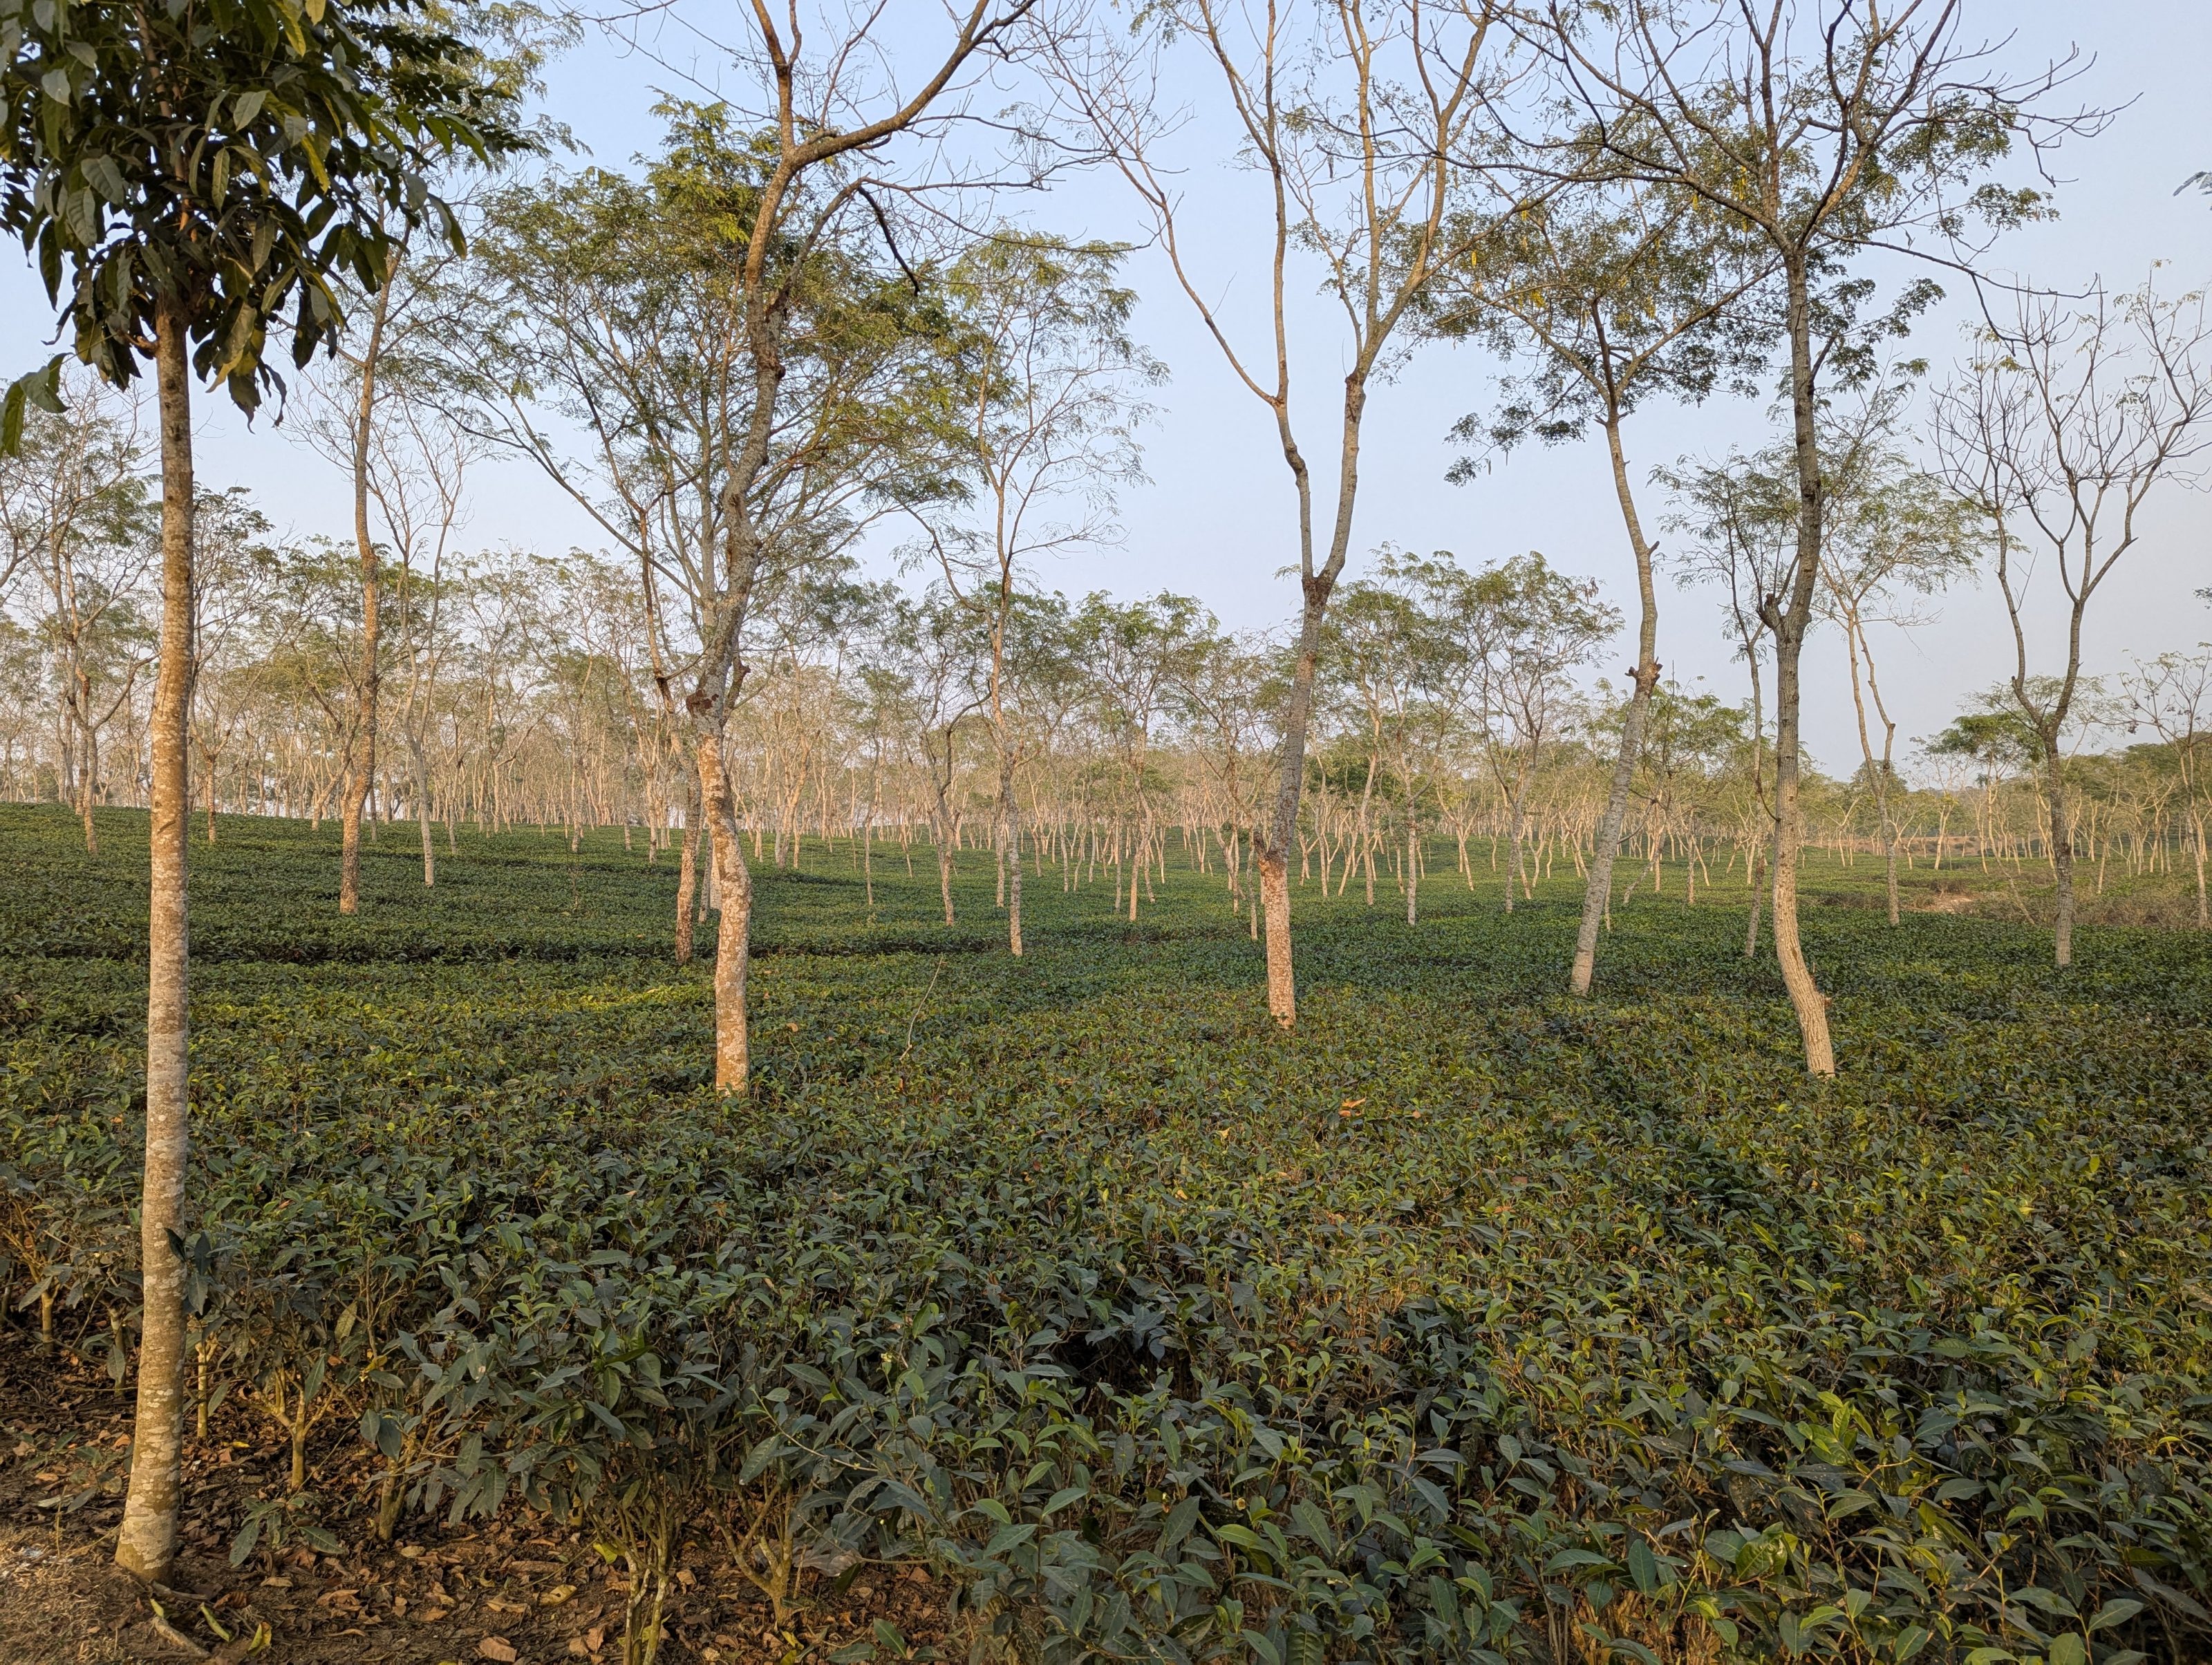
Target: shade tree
<point x="1353" y="122"/>
<point x="2063" y="421"/>
<point x="1827" y="132"/>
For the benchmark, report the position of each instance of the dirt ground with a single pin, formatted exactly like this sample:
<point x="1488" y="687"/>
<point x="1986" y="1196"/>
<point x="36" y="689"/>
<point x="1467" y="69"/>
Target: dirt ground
<point x="524" y="1592"/>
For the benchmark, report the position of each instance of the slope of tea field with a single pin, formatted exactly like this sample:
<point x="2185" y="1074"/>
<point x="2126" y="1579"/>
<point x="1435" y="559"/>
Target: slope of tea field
<point x="1468" y="1322"/>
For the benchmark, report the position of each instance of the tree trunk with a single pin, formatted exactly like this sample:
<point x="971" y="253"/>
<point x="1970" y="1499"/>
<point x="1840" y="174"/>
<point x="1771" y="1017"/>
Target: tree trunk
<point x="2203" y="911"/>
<point x="733" y="944"/>
<point x="146" y="1543"/>
<point x="1597" y="885"/>
<point x="364" y="754"/>
<point x="2062" y="858"/>
<point x="1758" y="870"/>
<point x="1889" y="861"/>
<point x="422" y="772"/>
<point x="687" y="878"/>
<point x="1274" y="855"/>
<point x="1789" y="627"/>
<point x="1413" y="870"/>
<point x="88" y="775"/>
<point x="1010" y="851"/>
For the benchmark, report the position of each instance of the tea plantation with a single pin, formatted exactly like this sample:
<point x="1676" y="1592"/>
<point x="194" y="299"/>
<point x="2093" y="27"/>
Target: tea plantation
<point x="1469" y="1322"/>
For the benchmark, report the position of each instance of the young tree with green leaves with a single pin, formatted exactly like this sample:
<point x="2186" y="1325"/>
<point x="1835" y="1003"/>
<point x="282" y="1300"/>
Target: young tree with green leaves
<point x="75" y="513"/>
<point x="1049" y="430"/>
<point x="1894" y="532"/>
<point x="1408" y="649"/>
<point x="1610" y="292"/>
<point x="1543" y="628"/>
<point x="189" y="175"/>
<point x="1737" y="519"/>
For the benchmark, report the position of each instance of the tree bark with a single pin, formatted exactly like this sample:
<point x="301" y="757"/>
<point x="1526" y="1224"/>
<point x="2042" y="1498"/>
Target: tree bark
<point x="687" y="878"/>
<point x="732" y="943"/>
<point x="420" y="769"/>
<point x="1597" y="886"/>
<point x="364" y="752"/>
<point x="1413" y="869"/>
<point x="2061" y="857"/>
<point x="146" y="1543"/>
<point x="1789" y="625"/>
<point x="1010" y="849"/>
<point x="1274" y="855"/>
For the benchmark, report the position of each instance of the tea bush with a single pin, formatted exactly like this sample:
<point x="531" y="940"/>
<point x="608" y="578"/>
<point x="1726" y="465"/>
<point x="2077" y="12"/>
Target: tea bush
<point x="1471" y="1322"/>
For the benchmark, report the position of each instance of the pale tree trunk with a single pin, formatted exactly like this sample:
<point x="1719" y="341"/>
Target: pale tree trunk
<point x="1313" y="587"/>
<point x="1789" y="627"/>
<point x="2061" y="856"/>
<point x="1412" y="870"/>
<point x="2204" y="910"/>
<point x="687" y="876"/>
<point x="733" y="944"/>
<point x="88" y="771"/>
<point x="146" y="1543"/>
<point x="1857" y="645"/>
<point x="1597" y="886"/>
<point x="422" y="772"/>
<point x="1889" y="859"/>
<point x="1010" y="850"/>
<point x="364" y="753"/>
<point x="1516" y="835"/>
<point x="1758" y="870"/>
<point x="944" y="866"/>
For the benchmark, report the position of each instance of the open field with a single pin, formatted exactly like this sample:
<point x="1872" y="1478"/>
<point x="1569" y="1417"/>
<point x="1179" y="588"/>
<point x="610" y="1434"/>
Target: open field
<point x="1063" y="1305"/>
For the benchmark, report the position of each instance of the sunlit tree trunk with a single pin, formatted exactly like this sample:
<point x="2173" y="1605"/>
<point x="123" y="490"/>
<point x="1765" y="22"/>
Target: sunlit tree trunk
<point x="146" y="1543"/>
<point x="1597" y="885"/>
<point x="1790" y="624"/>
<point x="732" y="943"/>
<point x="2062" y="853"/>
<point x="364" y="750"/>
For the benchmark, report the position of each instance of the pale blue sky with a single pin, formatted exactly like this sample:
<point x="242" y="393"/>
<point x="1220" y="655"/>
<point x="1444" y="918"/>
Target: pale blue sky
<point x="1216" y="519"/>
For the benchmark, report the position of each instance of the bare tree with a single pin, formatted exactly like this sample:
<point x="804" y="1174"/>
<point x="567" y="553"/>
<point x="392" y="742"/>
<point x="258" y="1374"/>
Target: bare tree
<point x="1352" y="126"/>
<point x="2065" y="419"/>
<point x="2173" y="694"/>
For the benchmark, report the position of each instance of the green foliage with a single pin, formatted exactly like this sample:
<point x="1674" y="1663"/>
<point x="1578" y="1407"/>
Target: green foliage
<point x="1470" y="1323"/>
<point x="227" y="158"/>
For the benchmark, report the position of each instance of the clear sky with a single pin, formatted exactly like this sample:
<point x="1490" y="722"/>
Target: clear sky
<point x="1216" y="519"/>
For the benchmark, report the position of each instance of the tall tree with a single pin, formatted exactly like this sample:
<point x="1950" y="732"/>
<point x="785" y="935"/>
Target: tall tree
<point x="1049" y="431"/>
<point x="2063" y="421"/>
<point x="1894" y="535"/>
<point x="1825" y="130"/>
<point x="1545" y="627"/>
<point x="824" y="130"/>
<point x="1737" y="519"/>
<point x="754" y="374"/>
<point x="1609" y="293"/>
<point x="188" y="174"/>
<point x="1354" y="117"/>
